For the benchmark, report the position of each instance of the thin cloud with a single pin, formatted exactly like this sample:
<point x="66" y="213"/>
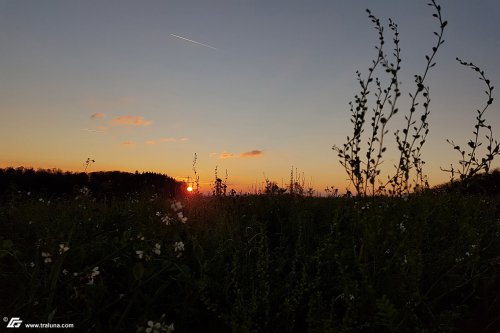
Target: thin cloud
<point x="128" y="144"/>
<point x="184" y="139"/>
<point x="91" y="130"/>
<point x="133" y="121"/>
<point x="151" y="142"/>
<point x="193" y="41"/>
<point x="251" y="154"/>
<point x="97" y="115"/>
<point x="248" y="154"/>
<point x="225" y="155"/>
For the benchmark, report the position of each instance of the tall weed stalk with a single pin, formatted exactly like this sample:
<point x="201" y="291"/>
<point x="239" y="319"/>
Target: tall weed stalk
<point x="364" y="167"/>
<point x="413" y="136"/>
<point x="470" y="163"/>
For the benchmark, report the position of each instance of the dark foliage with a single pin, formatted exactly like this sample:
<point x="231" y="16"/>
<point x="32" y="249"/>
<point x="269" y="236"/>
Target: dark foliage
<point x="55" y="182"/>
<point x="484" y="183"/>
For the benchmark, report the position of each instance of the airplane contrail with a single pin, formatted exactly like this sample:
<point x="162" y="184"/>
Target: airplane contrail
<point x="193" y="41"/>
<point x="90" y="130"/>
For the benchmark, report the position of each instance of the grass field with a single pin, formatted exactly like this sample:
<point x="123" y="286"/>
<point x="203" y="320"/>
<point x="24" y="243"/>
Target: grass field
<point x="268" y="263"/>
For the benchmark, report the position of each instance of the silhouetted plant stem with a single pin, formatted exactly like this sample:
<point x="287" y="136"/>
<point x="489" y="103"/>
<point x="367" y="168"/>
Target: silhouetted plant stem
<point x="372" y="167"/>
<point x="406" y="143"/>
<point x="363" y="173"/>
<point x="196" y="176"/>
<point x="471" y="165"/>
<point x="350" y="154"/>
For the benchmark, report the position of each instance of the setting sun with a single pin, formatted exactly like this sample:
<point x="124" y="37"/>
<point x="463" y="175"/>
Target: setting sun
<point x="190" y="189"/>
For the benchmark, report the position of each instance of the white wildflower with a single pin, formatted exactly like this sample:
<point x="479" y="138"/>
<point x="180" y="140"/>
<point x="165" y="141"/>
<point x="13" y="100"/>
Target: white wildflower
<point x="47" y="257"/>
<point x="150" y="327"/>
<point x="179" y="248"/>
<point x="177" y="205"/>
<point x="181" y="217"/>
<point x="167" y="220"/>
<point x="95" y="272"/>
<point x="140" y="254"/>
<point x="157" y="249"/>
<point x="63" y="248"/>
<point x="157" y="327"/>
<point x="84" y="190"/>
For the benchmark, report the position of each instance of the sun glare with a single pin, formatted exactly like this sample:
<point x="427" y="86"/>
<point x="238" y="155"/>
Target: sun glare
<point x="190" y="189"/>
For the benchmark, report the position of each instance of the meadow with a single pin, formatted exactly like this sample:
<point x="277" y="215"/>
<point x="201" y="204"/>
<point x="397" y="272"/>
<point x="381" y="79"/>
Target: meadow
<point x="149" y="262"/>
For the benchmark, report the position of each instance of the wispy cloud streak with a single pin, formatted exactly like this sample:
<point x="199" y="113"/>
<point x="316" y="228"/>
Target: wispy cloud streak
<point x="225" y="155"/>
<point x="91" y="130"/>
<point x="252" y="153"/>
<point x="193" y="41"/>
<point x="249" y="154"/>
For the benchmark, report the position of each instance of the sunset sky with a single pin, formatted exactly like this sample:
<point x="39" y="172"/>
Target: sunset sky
<point x="251" y="86"/>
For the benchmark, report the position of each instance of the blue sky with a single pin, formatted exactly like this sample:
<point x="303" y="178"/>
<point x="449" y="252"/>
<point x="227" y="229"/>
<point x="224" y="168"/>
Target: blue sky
<point x="277" y="79"/>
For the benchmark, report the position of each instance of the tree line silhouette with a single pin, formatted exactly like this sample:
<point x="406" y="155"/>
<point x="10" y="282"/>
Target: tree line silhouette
<point x="55" y="182"/>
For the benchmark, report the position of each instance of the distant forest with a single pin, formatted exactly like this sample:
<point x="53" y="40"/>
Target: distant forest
<point x="55" y="182"/>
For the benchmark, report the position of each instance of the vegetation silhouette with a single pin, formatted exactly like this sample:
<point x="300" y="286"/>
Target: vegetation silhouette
<point x="109" y="184"/>
<point x="486" y="183"/>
